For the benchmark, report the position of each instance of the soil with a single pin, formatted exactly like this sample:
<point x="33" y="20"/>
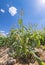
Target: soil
<point x="4" y="57"/>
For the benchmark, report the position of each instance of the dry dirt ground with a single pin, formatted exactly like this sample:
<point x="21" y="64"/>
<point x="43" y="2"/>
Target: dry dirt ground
<point x="6" y="60"/>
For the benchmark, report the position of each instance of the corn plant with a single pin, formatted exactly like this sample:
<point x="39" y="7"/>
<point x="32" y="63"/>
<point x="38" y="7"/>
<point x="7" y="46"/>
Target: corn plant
<point x="22" y="41"/>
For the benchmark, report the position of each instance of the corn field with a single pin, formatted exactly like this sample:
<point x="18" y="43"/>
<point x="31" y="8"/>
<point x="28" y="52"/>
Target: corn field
<point x="22" y="42"/>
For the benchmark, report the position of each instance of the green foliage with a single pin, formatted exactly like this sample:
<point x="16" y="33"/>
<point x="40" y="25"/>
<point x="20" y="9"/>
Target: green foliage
<point x="23" y="40"/>
<point x="20" y="22"/>
<point x="2" y="41"/>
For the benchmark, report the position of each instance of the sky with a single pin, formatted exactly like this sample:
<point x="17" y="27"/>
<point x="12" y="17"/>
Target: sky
<point x="34" y="13"/>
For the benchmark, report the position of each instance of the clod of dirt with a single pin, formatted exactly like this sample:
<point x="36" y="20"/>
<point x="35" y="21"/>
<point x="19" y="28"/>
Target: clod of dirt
<point x="11" y="62"/>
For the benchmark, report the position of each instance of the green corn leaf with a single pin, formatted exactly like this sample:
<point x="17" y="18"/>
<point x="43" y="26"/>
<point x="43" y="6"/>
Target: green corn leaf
<point x="42" y="63"/>
<point x="20" y="22"/>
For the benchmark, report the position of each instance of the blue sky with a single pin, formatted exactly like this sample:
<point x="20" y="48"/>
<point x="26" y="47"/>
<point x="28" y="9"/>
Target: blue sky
<point x="34" y="13"/>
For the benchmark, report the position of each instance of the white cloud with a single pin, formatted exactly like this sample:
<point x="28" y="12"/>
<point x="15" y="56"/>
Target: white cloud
<point x="3" y="33"/>
<point x="12" y="11"/>
<point x="2" y="10"/>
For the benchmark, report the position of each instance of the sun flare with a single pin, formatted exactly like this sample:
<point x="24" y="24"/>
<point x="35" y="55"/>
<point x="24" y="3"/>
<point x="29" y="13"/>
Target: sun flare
<point x="41" y="2"/>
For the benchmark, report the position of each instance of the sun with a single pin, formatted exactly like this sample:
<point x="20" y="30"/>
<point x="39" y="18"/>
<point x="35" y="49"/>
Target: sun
<point x="40" y="5"/>
<point x="42" y="2"/>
